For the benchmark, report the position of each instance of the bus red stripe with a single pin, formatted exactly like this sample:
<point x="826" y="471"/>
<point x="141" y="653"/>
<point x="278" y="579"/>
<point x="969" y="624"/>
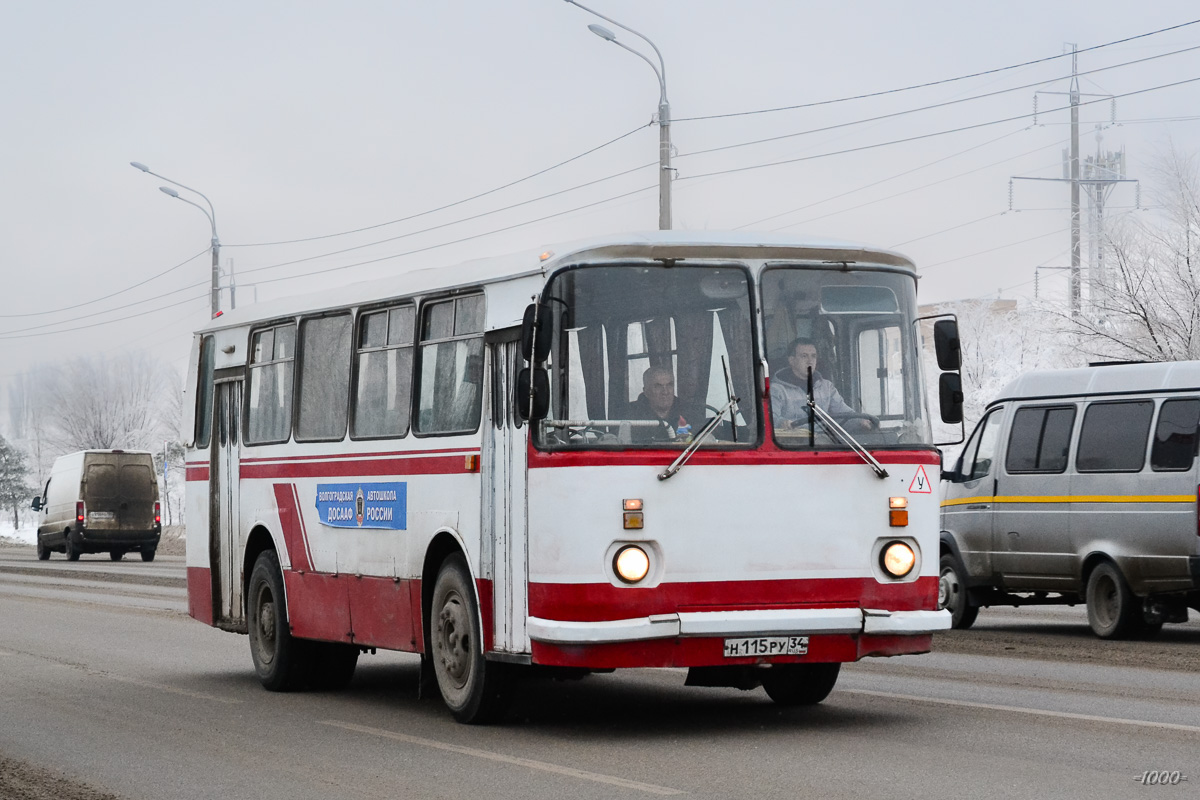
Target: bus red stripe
<point x="289" y="524"/>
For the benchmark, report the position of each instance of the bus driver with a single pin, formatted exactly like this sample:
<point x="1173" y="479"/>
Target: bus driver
<point x="658" y="402"/>
<point x="789" y="392"/>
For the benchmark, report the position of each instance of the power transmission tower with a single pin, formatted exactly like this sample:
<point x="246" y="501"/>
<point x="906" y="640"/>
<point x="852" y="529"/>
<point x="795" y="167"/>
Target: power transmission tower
<point x="1099" y="181"/>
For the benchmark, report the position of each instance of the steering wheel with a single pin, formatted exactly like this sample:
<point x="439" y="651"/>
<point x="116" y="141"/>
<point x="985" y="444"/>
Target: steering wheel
<point x="872" y="422"/>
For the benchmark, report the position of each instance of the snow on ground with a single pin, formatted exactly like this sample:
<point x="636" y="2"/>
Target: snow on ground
<point x="24" y="534"/>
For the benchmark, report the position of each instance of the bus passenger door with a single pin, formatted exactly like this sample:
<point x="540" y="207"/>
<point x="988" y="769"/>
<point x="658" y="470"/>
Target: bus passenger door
<point x="224" y="503"/>
<point x="504" y="482"/>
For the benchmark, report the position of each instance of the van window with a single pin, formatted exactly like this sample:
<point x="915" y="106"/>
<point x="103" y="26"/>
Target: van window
<point x="323" y="383"/>
<point x="1175" y="437"/>
<point x="980" y="451"/>
<point x="1113" y="437"/>
<point x="383" y="388"/>
<point x="269" y="409"/>
<point x="1040" y="439"/>
<point x="451" y="366"/>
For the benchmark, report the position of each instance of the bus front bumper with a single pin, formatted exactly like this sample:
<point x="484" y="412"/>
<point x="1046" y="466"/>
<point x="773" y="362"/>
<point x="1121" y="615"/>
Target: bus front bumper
<point x="773" y="622"/>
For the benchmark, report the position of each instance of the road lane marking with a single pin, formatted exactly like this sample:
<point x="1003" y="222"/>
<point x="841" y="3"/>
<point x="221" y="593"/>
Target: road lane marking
<point x="1035" y="711"/>
<point x="504" y="759"/>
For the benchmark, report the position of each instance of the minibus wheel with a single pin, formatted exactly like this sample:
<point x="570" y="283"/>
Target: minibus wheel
<point x="42" y="551"/>
<point x="1112" y="608"/>
<point x="473" y="688"/>
<point x="72" y="549"/>
<point x="279" y="659"/>
<point x="952" y="595"/>
<point x="116" y="555"/>
<point x="148" y="555"/>
<point x="800" y="684"/>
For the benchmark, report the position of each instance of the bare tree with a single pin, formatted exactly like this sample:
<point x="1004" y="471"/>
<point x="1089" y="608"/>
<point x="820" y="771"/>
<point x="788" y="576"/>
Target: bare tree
<point x="125" y="402"/>
<point x="1148" y="306"/>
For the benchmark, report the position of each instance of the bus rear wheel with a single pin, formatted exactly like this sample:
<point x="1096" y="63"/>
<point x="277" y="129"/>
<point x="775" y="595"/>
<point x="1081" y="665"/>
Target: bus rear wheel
<point x="473" y="688"/>
<point x="279" y="660"/>
<point x="800" y="684"/>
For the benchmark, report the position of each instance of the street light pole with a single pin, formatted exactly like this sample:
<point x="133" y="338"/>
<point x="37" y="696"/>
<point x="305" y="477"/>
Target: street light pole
<point x="211" y="213"/>
<point x="664" y="110"/>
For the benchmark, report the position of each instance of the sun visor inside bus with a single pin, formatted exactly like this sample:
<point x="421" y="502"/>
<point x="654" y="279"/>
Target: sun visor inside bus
<point x="858" y="300"/>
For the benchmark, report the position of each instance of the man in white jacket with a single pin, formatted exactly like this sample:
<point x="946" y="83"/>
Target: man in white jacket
<point x="789" y="392"/>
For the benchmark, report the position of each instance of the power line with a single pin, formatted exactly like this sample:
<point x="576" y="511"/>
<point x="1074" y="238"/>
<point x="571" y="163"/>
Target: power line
<point x="934" y="83"/>
<point x="449" y="205"/>
<point x="930" y="107"/>
<point x="925" y="135"/>
<point x="7" y="334"/>
<point x="107" y="322"/>
<point x="107" y="296"/>
<point x="947" y="230"/>
<point x="928" y="267"/>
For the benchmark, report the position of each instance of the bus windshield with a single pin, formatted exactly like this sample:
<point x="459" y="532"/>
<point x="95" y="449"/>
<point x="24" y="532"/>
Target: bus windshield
<point x="854" y="329"/>
<point x="643" y="356"/>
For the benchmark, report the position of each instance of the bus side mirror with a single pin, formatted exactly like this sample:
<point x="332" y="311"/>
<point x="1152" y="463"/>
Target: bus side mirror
<point x="37" y="504"/>
<point x="946" y="344"/>
<point x="535" y="334"/>
<point x="950" y="397"/>
<point x="533" y="393"/>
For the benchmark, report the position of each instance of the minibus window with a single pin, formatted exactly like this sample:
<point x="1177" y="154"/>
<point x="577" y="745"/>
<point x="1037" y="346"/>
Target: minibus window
<point x="989" y="437"/>
<point x="1113" y="437"/>
<point x="1175" y="437"/>
<point x="1040" y="439"/>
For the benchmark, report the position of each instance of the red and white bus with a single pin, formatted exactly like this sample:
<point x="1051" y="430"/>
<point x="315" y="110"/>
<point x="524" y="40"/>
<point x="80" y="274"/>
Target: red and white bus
<point x="364" y="473"/>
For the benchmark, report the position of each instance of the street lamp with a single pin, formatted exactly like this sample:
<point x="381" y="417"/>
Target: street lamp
<point x="664" y="110"/>
<point x="212" y="220"/>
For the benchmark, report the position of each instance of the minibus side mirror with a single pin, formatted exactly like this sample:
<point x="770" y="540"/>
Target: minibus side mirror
<point x="37" y="504"/>
<point x="950" y="397"/>
<point x="535" y="333"/>
<point x="946" y="344"/>
<point x="533" y="393"/>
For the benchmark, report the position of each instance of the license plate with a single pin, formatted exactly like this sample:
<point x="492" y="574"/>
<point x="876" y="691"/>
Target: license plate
<point x="100" y="515"/>
<point x="766" y="646"/>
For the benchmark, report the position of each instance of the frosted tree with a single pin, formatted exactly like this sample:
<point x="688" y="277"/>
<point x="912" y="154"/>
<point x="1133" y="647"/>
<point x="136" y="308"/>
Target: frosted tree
<point x="15" y="489"/>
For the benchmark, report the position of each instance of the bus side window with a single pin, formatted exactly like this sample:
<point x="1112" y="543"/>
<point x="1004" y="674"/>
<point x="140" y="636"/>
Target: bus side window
<point x="451" y="373"/>
<point x="204" y="392"/>
<point x="383" y="383"/>
<point x="269" y="408"/>
<point x="323" y="378"/>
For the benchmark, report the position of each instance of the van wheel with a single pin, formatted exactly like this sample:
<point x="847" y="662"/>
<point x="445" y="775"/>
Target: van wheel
<point x="72" y="550"/>
<point x="279" y="659"/>
<point x="474" y="689"/>
<point x="800" y="684"/>
<point x="116" y="555"/>
<point x="1113" y="610"/>
<point x="952" y="595"/>
<point x="42" y="551"/>
<point x="331" y="665"/>
<point x="148" y="555"/>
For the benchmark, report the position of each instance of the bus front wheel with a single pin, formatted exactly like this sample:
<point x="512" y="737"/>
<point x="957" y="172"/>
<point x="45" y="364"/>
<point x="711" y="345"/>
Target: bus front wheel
<point x="279" y="659"/>
<point x="800" y="684"/>
<point x="474" y="689"/>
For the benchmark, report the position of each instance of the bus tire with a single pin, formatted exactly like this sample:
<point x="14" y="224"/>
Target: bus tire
<point x="952" y="595"/>
<point x="800" y="684"/>
<point x="72" y="550"/>
<point x="331" y="665"/>
<point x="279" y="659"/>
<point x="473" y="688"/>
<point x="43" y="552"/>
<point x="1113" y="610"/>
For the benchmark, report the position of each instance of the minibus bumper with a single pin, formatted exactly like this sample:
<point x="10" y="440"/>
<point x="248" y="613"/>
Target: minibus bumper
<point x="90" y="538"/>
<point x="774" y="622"/>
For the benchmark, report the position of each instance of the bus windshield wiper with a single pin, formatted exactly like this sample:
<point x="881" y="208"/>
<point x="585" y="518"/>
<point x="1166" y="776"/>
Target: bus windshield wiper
<point x="706" y="431"/>
<point x="842" y="434"/>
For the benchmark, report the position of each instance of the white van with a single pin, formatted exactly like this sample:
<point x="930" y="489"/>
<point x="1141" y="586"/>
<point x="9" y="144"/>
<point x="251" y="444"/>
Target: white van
<point x="100" y="501"/>
<point x="1080" y="485"/>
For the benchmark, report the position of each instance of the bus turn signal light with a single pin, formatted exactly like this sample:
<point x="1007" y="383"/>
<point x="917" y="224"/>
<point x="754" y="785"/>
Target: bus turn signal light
<point x="632" y="504"/>
<point x="634" y="521"/>
<point x="898" y="512"/>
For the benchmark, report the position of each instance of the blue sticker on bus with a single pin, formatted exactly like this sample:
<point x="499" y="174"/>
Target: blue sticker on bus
<point x="363" y="505"/>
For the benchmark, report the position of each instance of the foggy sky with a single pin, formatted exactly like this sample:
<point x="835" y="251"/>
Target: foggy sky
<point x="304" y="119"/>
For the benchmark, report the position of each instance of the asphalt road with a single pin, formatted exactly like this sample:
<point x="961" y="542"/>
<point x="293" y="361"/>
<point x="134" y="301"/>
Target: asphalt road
<point x="108" y="690"/>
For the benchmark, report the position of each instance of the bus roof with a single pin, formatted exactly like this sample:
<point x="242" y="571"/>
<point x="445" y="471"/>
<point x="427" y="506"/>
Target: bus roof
<point x="543" y="261"/>
<point x="1104" y="380"/>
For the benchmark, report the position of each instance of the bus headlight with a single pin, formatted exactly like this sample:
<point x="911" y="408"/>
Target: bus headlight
<point x="631" y="563"/>
<point x="897" y="559"/>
